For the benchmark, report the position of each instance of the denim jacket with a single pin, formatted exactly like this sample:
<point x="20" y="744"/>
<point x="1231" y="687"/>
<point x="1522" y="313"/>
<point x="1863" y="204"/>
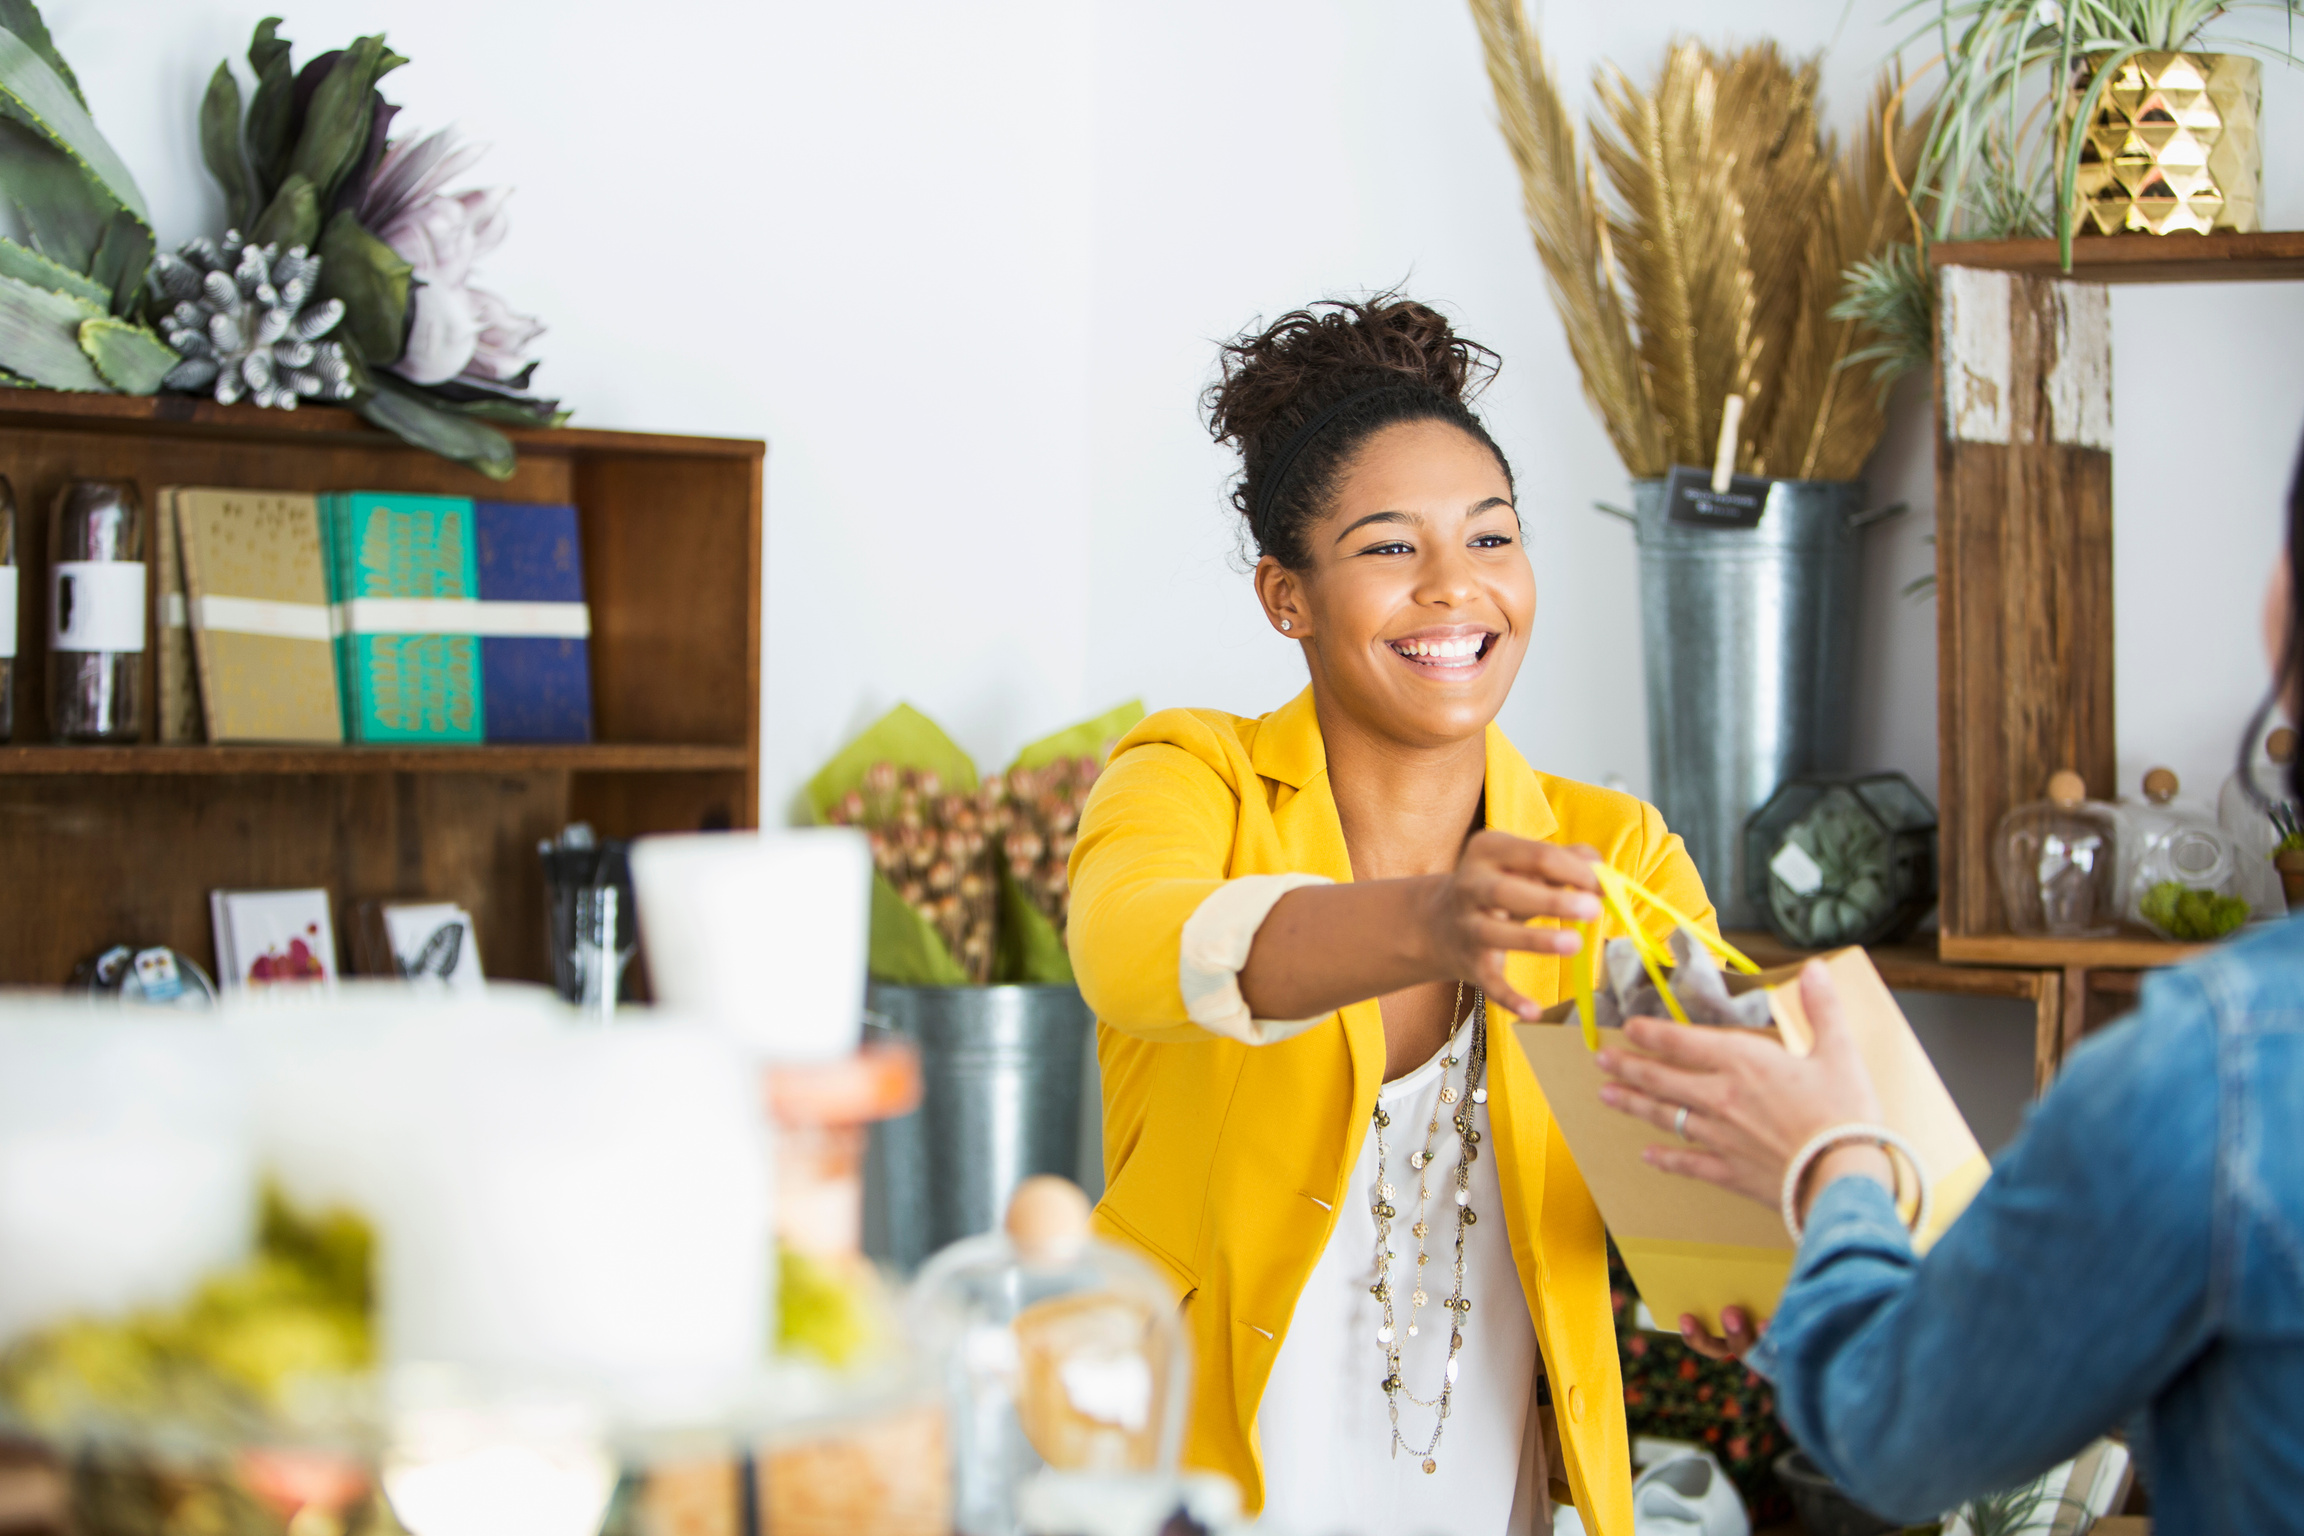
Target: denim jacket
<point x="2137" y="1257"/>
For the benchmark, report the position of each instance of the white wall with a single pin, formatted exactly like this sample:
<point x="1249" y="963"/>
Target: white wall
<point x="964" y="267"/>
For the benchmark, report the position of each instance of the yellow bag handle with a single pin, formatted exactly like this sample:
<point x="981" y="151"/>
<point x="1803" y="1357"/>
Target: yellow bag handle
<point x="1618" y="891"/>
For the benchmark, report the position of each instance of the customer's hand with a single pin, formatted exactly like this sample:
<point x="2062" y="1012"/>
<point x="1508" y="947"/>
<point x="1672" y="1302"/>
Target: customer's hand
<point x="1751" y="1103"/>
<point x="1479" y="914"/>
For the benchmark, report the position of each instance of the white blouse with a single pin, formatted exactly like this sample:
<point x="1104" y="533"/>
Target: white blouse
<point x="1323" y="1427"/>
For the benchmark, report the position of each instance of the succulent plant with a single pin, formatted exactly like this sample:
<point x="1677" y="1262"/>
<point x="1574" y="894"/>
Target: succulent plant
<point x="243" y="318"/>
<point x="307" y="160"/>
<point x="69" y="292"/>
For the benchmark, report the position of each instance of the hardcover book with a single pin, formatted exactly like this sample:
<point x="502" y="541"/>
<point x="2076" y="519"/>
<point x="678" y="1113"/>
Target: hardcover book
<point x="272" y="938"/>
<point x="535" y="657"/>
<point x="179" y="697"/>
<point x="406" y="589"/>
<point x="256" y="592"/>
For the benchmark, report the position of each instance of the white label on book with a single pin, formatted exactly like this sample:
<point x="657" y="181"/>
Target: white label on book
<point x="96" y="605"/>
<point x="262" y="616"/>
<point x="172" y="614"/>
<point x="1796" y="869"/>
<point x="545" y="621"/>
<point x="408" y="616"/>
<point x="7" y="611"/>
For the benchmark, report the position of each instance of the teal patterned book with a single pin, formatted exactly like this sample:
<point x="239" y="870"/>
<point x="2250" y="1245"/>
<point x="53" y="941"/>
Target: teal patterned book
<point x="405" y="585"/>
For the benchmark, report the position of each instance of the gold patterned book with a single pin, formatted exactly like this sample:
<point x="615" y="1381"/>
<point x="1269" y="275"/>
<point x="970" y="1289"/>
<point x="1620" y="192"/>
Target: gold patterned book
<point x="179" y="696"/>
<point x="256" y="590"/>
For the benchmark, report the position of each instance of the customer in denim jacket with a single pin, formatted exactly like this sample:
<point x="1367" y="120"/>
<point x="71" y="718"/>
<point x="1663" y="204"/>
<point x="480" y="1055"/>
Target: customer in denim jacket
<point x="2136" y="1258"/>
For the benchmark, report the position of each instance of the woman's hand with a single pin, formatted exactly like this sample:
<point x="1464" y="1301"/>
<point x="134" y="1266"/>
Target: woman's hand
<point x="1751" y="1105"/>
<point x="1479" y="914"/>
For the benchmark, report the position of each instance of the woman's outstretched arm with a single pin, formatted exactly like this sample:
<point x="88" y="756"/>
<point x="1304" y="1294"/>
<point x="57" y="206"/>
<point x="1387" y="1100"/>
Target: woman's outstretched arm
<point x="1323" y="947"/>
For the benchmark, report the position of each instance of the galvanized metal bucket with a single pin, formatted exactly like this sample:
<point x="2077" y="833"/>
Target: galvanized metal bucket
<point x="1750" y="642"/>
<point x="1007" y="1091"/>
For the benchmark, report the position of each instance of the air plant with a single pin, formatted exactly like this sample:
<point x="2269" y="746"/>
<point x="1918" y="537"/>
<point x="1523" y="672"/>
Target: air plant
<point x="310" y="162"/>
<point x="2005" y="135"/>
<point x="1710" y="264"/>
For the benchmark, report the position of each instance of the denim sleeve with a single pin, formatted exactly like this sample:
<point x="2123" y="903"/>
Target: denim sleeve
<point x="2063" y="1299"/>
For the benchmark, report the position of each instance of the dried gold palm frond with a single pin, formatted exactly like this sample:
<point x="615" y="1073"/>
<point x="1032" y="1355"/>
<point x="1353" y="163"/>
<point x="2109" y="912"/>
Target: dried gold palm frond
<point x="1782" y="173"/>
<point x="1715" y="266"/>
<point x="1679" y="235"/>
<point x="1571" y="235"/>
<point x="1872" y="215"/>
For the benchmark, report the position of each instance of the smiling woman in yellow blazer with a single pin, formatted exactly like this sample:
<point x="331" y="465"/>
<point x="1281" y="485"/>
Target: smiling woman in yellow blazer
<point x="1276" y="921"/>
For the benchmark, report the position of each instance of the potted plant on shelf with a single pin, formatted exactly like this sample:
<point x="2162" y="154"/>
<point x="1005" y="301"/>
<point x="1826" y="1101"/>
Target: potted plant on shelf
<point x="1699" y="271"/>
<point x="2113" y="115"/>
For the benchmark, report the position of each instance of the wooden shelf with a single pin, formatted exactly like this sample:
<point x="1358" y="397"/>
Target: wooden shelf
<point x="2226" y="257"/>
<point x="2122" y="953"/>
<point x="1906" y="967"/>
<point x="123" y="844"/>
<point x="583" y="757"/>
<point x="316" y="425"/>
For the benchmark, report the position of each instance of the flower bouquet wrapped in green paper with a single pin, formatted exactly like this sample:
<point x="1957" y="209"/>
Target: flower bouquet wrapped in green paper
<point x="968" y="883"/>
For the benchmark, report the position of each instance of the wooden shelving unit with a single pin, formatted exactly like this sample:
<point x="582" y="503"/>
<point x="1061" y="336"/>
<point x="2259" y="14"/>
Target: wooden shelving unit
<point x="1916" y="967"/>
<point x="2024" y="566"/>
<point x="123" y="843"/>
<point x="2265" y="256"/>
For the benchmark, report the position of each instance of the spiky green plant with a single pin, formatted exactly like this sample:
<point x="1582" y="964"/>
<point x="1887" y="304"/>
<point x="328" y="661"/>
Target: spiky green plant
<point x="2002" y="109"/>
<point x="71" y="291"/>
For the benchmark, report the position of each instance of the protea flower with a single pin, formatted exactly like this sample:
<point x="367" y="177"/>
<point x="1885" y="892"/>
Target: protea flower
<point x="455" y="330"/>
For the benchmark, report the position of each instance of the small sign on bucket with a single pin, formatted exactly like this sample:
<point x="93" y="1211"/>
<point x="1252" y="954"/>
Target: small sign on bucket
<point x="1690" y="500"/>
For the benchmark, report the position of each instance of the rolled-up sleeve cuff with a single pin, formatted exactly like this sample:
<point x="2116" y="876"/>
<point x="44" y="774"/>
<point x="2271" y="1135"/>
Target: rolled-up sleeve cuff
<point x="1217" y="938"/>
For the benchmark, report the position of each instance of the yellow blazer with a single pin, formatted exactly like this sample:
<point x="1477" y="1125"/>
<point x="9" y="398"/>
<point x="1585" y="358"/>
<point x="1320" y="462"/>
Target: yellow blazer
<point x="1224" y="1162"/>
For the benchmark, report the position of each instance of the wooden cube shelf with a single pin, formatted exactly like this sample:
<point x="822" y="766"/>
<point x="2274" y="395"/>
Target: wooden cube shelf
<point x="2024" y="565"/>
<point x="113" y="844"/>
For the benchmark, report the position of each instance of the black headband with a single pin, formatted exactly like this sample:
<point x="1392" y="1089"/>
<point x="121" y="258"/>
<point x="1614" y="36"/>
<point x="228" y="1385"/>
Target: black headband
<point x="1285" y="459"/>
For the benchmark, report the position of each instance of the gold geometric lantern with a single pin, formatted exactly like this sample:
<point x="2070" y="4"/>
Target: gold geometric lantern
<point x="2175" y="144"/>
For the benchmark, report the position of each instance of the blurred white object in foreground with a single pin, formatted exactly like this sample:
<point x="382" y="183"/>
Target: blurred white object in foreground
<point x="126" y="1167"/>
<point x="554" y="1203"/>
<point x="763" y="934"/>
<point x="515" y="1468"/>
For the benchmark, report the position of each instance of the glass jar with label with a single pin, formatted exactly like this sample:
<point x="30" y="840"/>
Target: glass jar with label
<point x="7" y="609"/>
<point x="96" y="612"/>
<point x="2059" y="863"/>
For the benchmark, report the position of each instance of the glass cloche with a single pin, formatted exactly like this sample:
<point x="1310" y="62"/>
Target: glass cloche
<point x="1836" y="859"/>
<point x="2059" y="863"/>
<point x="1060" y="1353"/>
<point x="2254" y="809"/>
<point x="2180" y="869"/>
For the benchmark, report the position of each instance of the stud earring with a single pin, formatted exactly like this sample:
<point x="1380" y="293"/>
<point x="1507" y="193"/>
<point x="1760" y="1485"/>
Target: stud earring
<point x="1287" y="623"/>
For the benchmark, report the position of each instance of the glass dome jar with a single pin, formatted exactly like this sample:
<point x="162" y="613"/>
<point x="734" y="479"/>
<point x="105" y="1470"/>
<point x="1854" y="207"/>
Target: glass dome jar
<point x="1058" y="1351"/>
<point x="2180" y="870"/>
<point x="1836" y="859"/>
<point x="2058" y="861"/>
<point x="2259" y="826"/>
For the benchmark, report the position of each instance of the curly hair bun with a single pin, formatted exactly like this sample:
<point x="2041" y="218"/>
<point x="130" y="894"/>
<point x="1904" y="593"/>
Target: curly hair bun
<point x="1277" y="380"/>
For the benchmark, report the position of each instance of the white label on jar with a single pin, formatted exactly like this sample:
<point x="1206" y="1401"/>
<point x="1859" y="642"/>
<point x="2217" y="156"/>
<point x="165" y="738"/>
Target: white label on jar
<point x="1796" y="869"/>
<point x="96" y="605"/>
<point x="7" y="612"/>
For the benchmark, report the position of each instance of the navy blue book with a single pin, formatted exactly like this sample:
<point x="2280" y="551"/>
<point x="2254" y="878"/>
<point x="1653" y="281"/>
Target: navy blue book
<point x="535" y="660"/>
